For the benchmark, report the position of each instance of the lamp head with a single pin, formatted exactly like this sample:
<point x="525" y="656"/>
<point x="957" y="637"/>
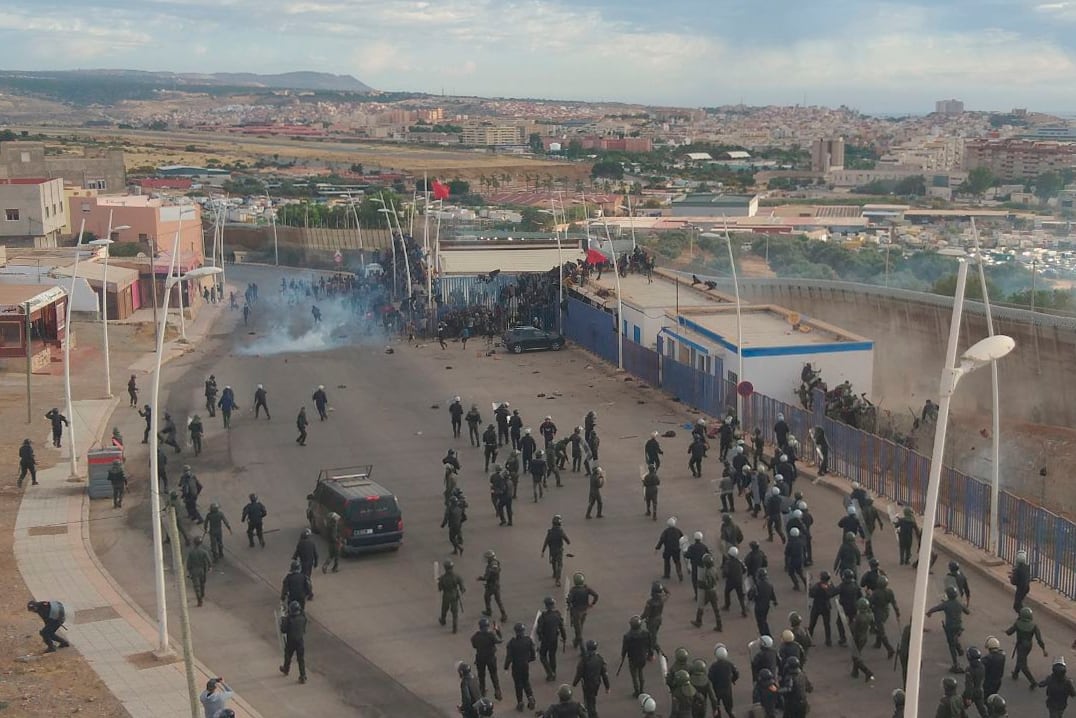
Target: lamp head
<point x="988" y="349"/>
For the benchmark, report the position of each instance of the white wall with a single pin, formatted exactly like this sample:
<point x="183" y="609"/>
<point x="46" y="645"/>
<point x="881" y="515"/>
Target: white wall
<point x="778" y="377"/>
<point x="649" y="323"/>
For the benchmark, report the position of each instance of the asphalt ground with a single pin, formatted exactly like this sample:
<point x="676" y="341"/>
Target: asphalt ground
<point x="374" y="647"/>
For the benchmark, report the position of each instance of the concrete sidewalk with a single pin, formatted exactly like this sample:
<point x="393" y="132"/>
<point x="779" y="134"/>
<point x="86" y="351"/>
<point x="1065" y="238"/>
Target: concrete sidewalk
<point x="57" y="562"/>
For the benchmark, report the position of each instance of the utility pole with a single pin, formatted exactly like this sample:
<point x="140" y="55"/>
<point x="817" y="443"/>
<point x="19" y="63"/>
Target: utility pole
<point x="185" y="619"/>
<point x="29" y="348"/>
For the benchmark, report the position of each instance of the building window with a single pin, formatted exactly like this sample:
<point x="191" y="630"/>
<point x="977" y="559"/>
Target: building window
<point x="95" y="184"/>
<point x="47" y="212"/>
<point x="24" y="157"/>
<point x="11" y="215"/>
<point x="143" y="237"/>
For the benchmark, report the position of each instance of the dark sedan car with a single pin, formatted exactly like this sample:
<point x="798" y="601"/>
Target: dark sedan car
<point x="520" y="339"/>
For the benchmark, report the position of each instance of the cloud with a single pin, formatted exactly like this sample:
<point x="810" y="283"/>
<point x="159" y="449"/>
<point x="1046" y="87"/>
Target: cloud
<point x="863" y="54"/>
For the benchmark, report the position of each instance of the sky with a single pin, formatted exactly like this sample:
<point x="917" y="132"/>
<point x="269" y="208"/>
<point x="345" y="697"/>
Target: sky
<point x="878" y="57"/>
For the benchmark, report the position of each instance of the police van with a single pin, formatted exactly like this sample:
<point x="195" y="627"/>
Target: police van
<point x="370" y="515"/>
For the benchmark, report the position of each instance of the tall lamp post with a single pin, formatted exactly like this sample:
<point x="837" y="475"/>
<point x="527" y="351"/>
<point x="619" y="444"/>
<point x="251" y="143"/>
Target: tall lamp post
<point x="739" y="317"/>
<point x="67" y="355"/>
<point x="155" y="485"/>
<point x="619" y="301"/>
<point x="995" y="406"/>
<point x="105" y="242"/>
<point x="982" y="352"/>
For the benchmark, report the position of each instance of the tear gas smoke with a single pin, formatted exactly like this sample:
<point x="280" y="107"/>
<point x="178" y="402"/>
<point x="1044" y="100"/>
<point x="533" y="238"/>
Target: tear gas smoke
<point x="290" y="328"/>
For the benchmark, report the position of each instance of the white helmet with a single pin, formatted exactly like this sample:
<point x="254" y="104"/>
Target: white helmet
<point x="784" y="457"/>
<point x="455" y="398"/>
<point x="855" y="484"/>
<point x="649" y="705"/>
<point x="654" y="434"/>
<point x="780" y="417"/>
<point x="698" y="536"/>
<point x="527" y="430"/>
<point x="778" y="477"/>
<point x="797" y="514"/>
<point x="851" y="510"/>
<point x="739" y="449"/>
<point x="643" y="698"/>
<point x="671" y="522"/>
<point x="321" y="386"/>
<point x="1021" y="556"/>
<point x="767" y="642"/>
<point x="728" y="419"/>
<point x="802" y="505"/>
<point x="549" y="418"/>
<point x="733" y="551"/>
<point x="720" y="652"/>
<point x="260" y="386"/>
<point x="775" y="491"/>
<point x="506" y="405"/>
<point x="793" y="531"/>
<point x="792" y="441"/>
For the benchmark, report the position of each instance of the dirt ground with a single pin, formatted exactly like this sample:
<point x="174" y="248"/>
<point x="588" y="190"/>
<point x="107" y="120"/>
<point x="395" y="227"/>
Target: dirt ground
<point x="61" y="683"/>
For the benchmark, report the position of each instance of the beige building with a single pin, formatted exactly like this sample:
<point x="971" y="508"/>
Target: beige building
<point x="488" y="134"/>
<point x="1019" y="159"/>
<point x="827" y="154"/>
<point x="33" y="212"/>
<point x="101" y="170"/>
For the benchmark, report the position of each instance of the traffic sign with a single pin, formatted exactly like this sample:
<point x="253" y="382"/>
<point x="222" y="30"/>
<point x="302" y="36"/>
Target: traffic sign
<point x="745" y="389"/>
<point x="338" y="257"/>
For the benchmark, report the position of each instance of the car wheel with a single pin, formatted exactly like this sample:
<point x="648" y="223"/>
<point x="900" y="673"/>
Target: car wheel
<point x="556" y="346"/>
<point x="515" y="348"/>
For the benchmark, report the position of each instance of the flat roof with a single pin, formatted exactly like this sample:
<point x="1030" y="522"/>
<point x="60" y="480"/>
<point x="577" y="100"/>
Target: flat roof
<point x="764" y="327"/>
<point x="662" y="293"/>
<point x="25" y="180"/>
<point x="511" y="260"/>
<point x="39" y="295"/>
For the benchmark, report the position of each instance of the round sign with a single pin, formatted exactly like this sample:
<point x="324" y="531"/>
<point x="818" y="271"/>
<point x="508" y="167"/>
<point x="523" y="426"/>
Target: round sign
<point x="745" y="389"/>
<point x="338" y="258"/>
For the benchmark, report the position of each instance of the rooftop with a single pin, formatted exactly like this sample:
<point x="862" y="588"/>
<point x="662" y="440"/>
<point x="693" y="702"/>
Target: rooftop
<point x="25" y="180"/>
<point x="12" y="295"/>
<point x="764" y="327"/>
<point x="661" y="293"/>
<point x="510" y="260"/>
<point x="714" y="200"/>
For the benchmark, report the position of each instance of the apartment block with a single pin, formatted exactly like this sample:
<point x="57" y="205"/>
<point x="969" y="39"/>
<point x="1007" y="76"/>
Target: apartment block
<point x="32" y="212"/>
<point x="102" y="170"/>
<point x="827" y="154"/>
<point x="949" y="107"/>
<point x="488" y="134"/>
<point x="1019" y="159"/>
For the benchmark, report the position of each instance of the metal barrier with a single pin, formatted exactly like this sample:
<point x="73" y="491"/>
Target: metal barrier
<point x="885" y="468"/>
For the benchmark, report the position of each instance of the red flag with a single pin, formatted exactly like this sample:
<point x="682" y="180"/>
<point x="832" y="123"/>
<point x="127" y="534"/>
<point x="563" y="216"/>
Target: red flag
<point x="440" y="191"/>
<point x="595" y="257"/>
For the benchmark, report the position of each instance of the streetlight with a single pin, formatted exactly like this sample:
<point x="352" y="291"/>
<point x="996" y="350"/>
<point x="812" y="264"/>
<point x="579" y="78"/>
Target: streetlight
<point x="986" y="350"/>
<point x="67" y="355"/>
<point x="739" y="317"/>
<point x="272" y="218"/>
<point x="560" y="263"/>
<point x="619" y="301"/>
<point x="105" y="242"/>
<point x="154" y="483"/>
<point x="995" y="405"/>
<point x="392" y="240"/>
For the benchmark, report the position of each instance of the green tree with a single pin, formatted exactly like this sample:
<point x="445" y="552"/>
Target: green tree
<point x="946" y="286"/>
<point x="979" y="181"/>
<point x="916" y="185"/>
<point x="1047" y="185"/>
<point x="535" y="142"/>
<point x="607" y="170"/>
<point x="458" y="187"/>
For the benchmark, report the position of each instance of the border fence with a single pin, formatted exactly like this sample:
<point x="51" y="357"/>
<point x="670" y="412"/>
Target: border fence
<point x="885" y="468"/>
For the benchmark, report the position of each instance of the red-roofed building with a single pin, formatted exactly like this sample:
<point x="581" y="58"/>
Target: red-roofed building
<point x="176" y="183"/>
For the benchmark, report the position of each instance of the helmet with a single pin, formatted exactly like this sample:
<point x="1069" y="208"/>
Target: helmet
<point x="1059" y="666"/>
<point x="557" y="520"/>
<point x="863" y="604"/>
<point x="671" y="522"/>
<point x="776" y="491"/>
<point x="908" y="512"/>
<point x="483" y="623"/>
<point x="519" y="629"/>
<point x="186" y="468"/>
<point x="995" y="703"/>
<point x="801" y="505"/>
<point x="449" y="564"/>
<point x="1026" y="613"/>
<point x="848" y="574"/>
<point x="31" y="605"/>
<point x="488" y="555"/>
<point x="761" y="574"/>
<point x="708" y="560"/>
<point x="464" y="669"/>
<point x="898" y="698"/>
<point x="948" y="685"/>
<point x="591" y="646"/>
<point x="698" y="666"/>
<point x="753" y="545"/>
<point x="656" y="588"/>
<point x="883" y="581"/>
<point x="787" y="637"/>
<point x="253" y="497"/>
<point x="549" y="602"/>
<point x="780" y="417"/>
<point x="484" y="707"/>
<point x="992" y="644"/>
<point x="697" y="536"/>
<point x="849" y="536"/>
<point x="305" y="534"/>
<point x="320" y="386"/>
<point x="824" y="575"/>
<point x="784" y="457"/>
<point x="681" y="655"/>
<point x="792" y="664"/>
<point x="216" y="507"/>
<point x="294" y="608"/>
<point x="260" y="386"/>
<point x="974" y="654"/>
<point x="1021" y="556"/>
<point x="654" y="434"/>
<point x="455" y="398"/>
<point x="795" y="619"/>
<point x="855" y="485"/>
<point x="767" y="642"/>
<point x="635" y="622"/>
<point x="765" y="675"/>
<point x="733" y="551"/>
<point x="726" y="519"/>
<point x="797" y="514"/>
<point x="954" y="566"/>
<point x="950" y="592"/>
<point x="851" y="510"/>
<point x="681" y="677"/>
<point x="579" y="579"/>
<point x="649" y="705"/>
<point x="720" y="652"/>
<point x="873" y="563"/>
<point x="498" y="467"/>
<point x="794" y="532"/>
<point x="527" y="430"/>
<point x="564" y="693"/>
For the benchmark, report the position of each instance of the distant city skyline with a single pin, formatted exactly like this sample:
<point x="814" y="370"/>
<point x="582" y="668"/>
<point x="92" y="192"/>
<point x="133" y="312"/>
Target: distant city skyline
<point x="881" y="58"/>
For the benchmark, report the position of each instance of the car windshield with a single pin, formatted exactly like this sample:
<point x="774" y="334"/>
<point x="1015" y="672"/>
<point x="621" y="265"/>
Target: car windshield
<point x="371" y="509"/>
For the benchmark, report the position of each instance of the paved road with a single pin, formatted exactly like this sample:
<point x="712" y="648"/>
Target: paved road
<point x="375" y="645"/>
